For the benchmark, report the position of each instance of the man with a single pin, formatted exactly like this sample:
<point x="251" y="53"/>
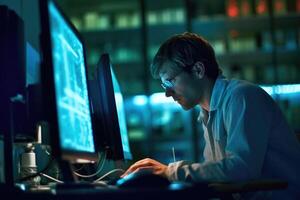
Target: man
<point x="245" y="132"/>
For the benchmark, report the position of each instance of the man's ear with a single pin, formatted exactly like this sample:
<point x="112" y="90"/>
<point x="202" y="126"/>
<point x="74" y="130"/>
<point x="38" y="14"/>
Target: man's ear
<point x="199" y="69"/>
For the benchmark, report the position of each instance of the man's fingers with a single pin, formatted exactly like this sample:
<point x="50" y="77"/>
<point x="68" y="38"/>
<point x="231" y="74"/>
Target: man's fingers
<point x="146" y="160"/>
<point x="137" y="166"/>
<point x="143" y="169"/>
<point x="144" y="163"/>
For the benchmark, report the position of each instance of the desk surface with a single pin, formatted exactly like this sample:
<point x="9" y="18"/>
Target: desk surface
<point x="174" y="191"/>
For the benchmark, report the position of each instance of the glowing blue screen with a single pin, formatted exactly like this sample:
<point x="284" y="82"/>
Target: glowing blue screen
<point x="74" y="119"/>
<point x="121" y="117"/>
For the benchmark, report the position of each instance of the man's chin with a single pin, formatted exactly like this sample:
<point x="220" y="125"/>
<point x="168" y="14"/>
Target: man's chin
<point x="184" y="106"/>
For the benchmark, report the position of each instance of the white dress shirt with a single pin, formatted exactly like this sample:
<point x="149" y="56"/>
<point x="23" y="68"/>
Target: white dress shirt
<point x="246" y="137"/>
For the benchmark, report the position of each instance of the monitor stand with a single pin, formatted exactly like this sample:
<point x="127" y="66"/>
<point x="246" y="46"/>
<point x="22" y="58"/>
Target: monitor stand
<point x="66" y="169"/>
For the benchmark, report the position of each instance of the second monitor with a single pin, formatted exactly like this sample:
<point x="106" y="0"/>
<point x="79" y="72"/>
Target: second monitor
<point x="109" y="113"/>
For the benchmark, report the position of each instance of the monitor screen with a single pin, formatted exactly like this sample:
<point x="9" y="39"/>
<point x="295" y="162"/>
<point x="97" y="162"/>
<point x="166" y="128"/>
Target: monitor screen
<point x="65" y="86"/>
<point x="109" y="112"/>
<point x="121" y="117"/>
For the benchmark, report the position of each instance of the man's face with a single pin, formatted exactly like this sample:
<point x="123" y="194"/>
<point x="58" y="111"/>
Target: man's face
<point x="182" y="86"/>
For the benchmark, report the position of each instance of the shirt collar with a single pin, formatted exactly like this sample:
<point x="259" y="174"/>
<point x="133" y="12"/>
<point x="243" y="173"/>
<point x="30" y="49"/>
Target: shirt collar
<point x="216" y="97"/>
<point x="218" y="92"/>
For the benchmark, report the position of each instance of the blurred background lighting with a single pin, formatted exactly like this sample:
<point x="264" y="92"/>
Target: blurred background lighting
<point x="140" y="100"/>
<point x="282" y="89"/>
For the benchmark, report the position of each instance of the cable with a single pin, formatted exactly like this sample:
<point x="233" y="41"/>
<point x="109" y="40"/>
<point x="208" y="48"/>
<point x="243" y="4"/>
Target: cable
<point x="94" y="174"/>
<point x="83" y="165"/>
<point x="173" y="151"/>
<point x="47" y="152"/>
<point x="80" y="168"/>
<point x="51" y="178"/>
<point x="108" y="173"/>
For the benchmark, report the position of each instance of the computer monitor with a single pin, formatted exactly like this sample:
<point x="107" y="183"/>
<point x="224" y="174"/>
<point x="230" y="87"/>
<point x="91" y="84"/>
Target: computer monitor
<point x="109" y="112"/>
<point x="65" y="89"/>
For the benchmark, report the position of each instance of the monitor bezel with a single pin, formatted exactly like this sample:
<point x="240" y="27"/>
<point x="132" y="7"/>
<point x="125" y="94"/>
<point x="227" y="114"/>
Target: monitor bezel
<point x="48" y="85"/>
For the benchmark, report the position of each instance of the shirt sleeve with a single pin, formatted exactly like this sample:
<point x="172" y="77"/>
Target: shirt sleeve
<point x="247" y="119"/>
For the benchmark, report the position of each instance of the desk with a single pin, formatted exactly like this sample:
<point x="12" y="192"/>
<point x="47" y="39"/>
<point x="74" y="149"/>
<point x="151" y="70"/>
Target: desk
<point x="112" y="194"/>
<point x="179" y="191"/>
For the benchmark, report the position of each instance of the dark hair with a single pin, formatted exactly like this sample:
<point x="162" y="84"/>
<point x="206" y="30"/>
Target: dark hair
<point x="184" y="50"/>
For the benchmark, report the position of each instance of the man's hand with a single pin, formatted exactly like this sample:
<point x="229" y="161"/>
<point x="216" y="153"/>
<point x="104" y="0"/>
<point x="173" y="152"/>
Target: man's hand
<point x="147" y="164"/>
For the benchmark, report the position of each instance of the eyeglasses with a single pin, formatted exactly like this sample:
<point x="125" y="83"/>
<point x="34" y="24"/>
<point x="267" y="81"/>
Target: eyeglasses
<point x="169" y="83"/>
